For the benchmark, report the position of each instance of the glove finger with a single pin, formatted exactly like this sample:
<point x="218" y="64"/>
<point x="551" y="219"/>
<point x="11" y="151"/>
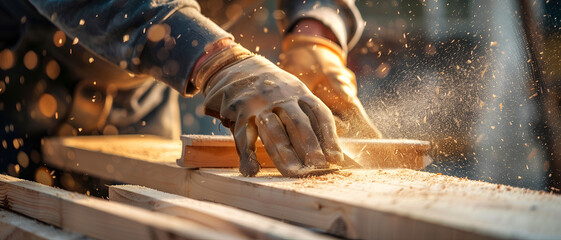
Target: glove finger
<point x="350" y="108"/>
<point x="341" y="82"/>
<point x="322" y="122"/>
<point x="245" y="136"/>
<point x="341" y="126"/>
<point x="301" y="134"/>
<point x="278" y="145"/>
<point x="360" y="125"/>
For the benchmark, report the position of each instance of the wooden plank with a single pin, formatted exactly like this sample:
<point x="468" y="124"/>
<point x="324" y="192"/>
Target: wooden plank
<point x="391" y="203"/>
<point x="220" y="151"/>
<point x="94" y="217"/>
<point x="61" y="153"/>
<point x="15" y="226"/>
<point x="228" y="219"/>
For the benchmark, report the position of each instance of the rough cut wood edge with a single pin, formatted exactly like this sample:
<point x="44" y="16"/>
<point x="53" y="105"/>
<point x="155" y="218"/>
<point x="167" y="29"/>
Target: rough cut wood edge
<point x="228" y="219"/>
<point x="220" y="151"/>
<point x="218" y="157"/>
<point x="343" y="210"/>
<point x="95" y="217"/>
<point x="15" y="226"/>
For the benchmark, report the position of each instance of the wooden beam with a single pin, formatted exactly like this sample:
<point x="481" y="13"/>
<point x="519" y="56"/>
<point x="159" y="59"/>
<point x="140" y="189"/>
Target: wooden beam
<point x="227" y="219"/>
<point x="220" y="151"/>
<point x="15" y="226"/>
<point x="156" y="156"/>
<point x="94" y="217"/>
<point x="392" y="203"/>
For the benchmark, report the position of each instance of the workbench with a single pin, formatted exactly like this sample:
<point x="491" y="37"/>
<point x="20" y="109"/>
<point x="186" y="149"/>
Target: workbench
<point x="352" y="203"/>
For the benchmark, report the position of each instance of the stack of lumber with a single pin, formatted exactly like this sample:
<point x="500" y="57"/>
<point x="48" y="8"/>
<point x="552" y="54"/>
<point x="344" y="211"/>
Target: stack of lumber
<point x="363" y="204"/>
<point x="15" y="226"/>
<point x="76" y="216"/>
<point x="94" y="217"/>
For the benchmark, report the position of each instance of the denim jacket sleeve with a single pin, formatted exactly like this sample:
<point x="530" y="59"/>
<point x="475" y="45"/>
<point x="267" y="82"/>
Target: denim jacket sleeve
<point x="157" y="37"/>
<point x="341" y="16"/>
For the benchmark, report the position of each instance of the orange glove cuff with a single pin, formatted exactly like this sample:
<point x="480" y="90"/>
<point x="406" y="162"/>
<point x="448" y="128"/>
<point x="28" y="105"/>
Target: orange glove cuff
<point x="301" y="40"/>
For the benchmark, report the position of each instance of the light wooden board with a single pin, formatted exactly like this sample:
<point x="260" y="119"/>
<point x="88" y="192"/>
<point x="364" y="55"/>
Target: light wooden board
<point x="15" y="226"/>
<point x="94" y="217"/>
<point x="227" y="219"/>
<point x="220" y="151"/>
<point x="385" y="204"/>
<point x="158" y="155"/>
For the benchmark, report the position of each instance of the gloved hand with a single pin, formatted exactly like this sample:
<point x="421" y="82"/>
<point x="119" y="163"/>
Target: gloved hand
<point x="320" y="64"/>
<point x="253" y="97"/>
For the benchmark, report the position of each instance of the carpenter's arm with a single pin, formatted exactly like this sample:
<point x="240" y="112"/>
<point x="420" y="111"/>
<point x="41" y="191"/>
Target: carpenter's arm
<point x="161" y="38"/>
<point x="317" y="37"/>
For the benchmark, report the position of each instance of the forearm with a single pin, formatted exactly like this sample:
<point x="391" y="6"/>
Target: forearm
<point x="314" y="27"/>
<point x="160" y="38"/>
<point x="341" y="17"/>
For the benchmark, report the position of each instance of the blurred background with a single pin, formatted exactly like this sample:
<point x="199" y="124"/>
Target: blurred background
<point x="474" y="77"/>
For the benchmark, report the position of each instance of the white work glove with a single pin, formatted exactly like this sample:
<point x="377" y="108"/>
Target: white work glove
<point x="253" y="97"/>
<point x="320" y="64"/>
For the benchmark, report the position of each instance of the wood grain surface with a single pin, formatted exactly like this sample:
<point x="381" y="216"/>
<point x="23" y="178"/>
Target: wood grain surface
<point x="366" y="204"/>
<point x="94" y="217"/>
<point x="217" y="216"/>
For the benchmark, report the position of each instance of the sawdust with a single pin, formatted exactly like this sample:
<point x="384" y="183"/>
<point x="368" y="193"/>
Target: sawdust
<point x="403" y="182"/>
<point x="429" y="196"/>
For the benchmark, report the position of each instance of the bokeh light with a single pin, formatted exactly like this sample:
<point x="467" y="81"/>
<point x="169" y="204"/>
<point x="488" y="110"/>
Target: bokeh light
<point x="52" y="69"/>
<point x="47" y="105"/>
<point x="30" y="60"/>
<point x="43" y="176"/>
<point x="23" y="159"/>
<point x="156" y="33"/>
<point x="7" y="59"/>
<point x="59" y="38"/>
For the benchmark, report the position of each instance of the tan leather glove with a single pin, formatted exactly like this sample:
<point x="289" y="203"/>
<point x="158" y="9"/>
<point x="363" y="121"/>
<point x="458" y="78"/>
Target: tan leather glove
<point x="253" y="97"/>
<point x="320" y="64"/>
